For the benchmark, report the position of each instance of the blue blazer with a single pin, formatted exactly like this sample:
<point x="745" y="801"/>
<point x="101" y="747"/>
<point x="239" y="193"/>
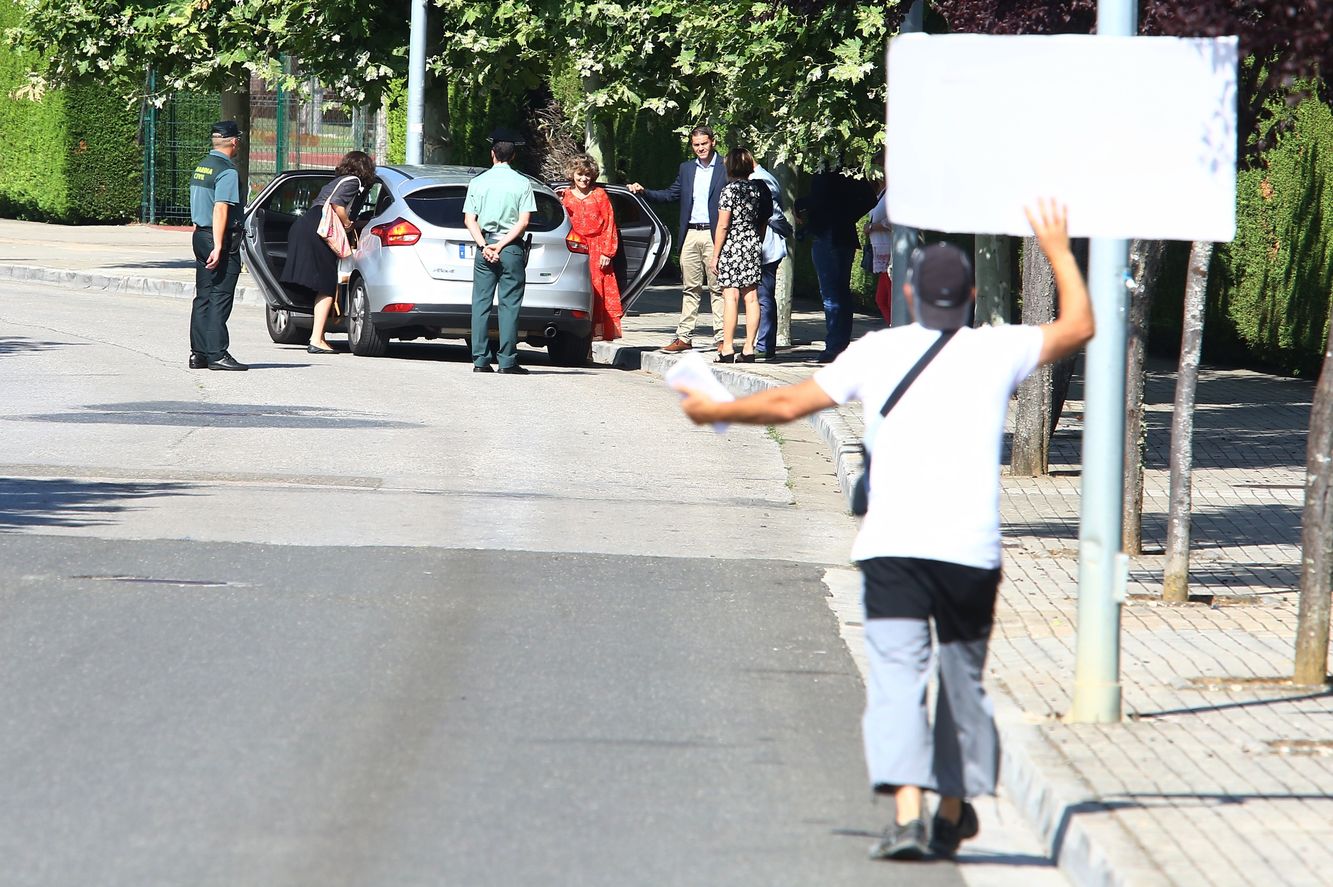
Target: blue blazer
<point x="682" y="189"/>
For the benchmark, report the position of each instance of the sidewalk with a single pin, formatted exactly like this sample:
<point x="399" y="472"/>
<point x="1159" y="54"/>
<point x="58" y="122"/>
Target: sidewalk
<point x="1220" y="774"/>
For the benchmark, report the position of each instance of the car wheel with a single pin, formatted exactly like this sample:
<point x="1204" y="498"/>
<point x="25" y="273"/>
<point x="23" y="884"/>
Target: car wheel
<point x="282" y="327"/>
<point x="569" y="350"/>
<point x="361" y="333"/>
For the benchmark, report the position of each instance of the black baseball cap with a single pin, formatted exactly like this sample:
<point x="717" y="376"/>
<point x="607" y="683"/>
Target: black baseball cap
<point x="942" y="281"/>
<point x="505" y="134"/>
<point x="226" y="129"/>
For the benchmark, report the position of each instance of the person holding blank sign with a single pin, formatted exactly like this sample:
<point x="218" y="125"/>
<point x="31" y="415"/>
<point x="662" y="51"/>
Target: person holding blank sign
<point x="929" y="547"/>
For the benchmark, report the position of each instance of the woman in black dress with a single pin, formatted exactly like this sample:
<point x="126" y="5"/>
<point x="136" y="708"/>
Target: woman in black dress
<point x="742" y="218"/>
<point x="311" y="264"/>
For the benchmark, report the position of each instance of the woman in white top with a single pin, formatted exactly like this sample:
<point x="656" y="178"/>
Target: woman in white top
<point x="880" y="234"/>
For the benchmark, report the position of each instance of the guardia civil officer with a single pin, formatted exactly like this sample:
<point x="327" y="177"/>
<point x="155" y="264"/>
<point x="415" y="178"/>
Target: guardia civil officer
<point x="497" y="209"/>
<point x="216" y="210"/>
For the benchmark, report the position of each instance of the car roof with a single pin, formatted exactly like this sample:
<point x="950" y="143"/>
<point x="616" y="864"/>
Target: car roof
<point x="419" y="176"/>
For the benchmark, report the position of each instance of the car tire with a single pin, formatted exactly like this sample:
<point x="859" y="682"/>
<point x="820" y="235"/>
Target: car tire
<point x="361" y="333"/>
<point x="569" y="350"/>
<point x="282" y="327"/>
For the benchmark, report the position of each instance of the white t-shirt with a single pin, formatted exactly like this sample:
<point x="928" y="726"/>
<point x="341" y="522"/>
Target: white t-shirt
<point x="935" y="459"/>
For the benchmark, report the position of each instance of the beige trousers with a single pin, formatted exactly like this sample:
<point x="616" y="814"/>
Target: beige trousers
<point x="696" y="258"/>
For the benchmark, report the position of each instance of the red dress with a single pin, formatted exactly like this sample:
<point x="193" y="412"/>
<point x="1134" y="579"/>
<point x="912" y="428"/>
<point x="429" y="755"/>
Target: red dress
<point x="592" y="219"/>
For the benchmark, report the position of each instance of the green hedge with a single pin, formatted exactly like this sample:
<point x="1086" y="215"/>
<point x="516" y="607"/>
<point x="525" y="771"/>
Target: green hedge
<point x="70" y="157"/>
<point x="472" y="116"/>
<point x="1270" y="289"/>
<point x="1275" y="280"/>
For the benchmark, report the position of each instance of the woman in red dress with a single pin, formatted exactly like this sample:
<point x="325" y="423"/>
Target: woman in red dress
<point x="593" y="221"/>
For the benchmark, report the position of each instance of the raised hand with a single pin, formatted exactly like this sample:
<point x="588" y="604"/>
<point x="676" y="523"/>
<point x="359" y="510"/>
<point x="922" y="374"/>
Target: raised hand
<point x="1050" y="223"/>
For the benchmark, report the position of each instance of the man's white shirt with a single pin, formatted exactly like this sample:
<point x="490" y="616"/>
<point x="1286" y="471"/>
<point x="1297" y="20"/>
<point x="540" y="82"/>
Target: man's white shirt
<point x="703" y="183"/>
<point x="935" y="459"/>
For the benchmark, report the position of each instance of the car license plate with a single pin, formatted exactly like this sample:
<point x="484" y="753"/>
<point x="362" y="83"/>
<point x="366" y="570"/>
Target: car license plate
<point x="467" y="251"/>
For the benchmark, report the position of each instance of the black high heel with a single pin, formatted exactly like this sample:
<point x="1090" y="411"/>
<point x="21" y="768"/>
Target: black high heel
<point x="725" y="358"/>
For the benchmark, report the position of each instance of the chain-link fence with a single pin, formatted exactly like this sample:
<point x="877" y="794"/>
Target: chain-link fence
<point x="287" y="131"/>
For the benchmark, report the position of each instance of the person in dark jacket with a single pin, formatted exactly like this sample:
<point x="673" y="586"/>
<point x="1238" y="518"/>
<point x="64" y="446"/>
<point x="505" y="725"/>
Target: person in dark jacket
<point x="830" y="212"/>
<point x="698" y="187"/>
<point x="311" y="264"/>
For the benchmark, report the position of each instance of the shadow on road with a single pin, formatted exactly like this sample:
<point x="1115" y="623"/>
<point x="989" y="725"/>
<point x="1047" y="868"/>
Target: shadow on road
<point x="193" y="414"/>
<point x="18" y="345"/>
<point x="63" y="502"/>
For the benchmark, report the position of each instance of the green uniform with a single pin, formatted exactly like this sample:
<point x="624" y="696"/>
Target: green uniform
<point x="497" y="197"/>
<point x="214" y="181"/>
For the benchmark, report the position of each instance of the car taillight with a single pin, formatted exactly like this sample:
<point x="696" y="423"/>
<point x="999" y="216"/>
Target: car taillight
<point x="578" y="315"/>
<point x="397" y="307"/>
<point x="399" y="232"/>
<point x="575" y="243"/>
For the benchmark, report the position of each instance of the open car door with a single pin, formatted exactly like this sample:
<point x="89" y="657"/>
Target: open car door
<point x="645" y="243"/>
<point x="268" y="223"/>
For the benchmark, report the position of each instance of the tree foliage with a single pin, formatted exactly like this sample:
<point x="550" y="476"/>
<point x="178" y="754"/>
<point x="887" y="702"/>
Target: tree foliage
<point x="201" y="44"/>
<point x="797" y="84"/>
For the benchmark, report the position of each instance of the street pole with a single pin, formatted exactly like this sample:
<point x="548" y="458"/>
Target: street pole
<point x="905" y="239"/>
<point x="416" y="83"/>
<point x="280" y="130"/>
<point x="1103" y="567"/>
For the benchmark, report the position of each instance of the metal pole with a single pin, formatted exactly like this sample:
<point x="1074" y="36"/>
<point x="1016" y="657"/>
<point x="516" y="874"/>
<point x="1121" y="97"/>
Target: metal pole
<point x="1103" y="568"/>
<point x="905" y="239"/>
<point x="280" y="128"/>
<point x="152" y="151"/>
<point x="416" y="82"/>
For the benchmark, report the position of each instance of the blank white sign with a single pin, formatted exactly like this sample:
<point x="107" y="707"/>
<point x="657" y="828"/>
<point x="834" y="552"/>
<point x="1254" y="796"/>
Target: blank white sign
<point x="1137" y="135"/>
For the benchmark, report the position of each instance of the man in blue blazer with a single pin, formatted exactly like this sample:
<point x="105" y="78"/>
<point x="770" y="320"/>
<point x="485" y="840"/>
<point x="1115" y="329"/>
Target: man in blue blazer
<point x="698" y="187"/>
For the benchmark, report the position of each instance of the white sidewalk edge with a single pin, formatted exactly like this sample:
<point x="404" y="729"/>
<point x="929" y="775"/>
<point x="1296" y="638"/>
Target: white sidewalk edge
<point x="118" y="283"/>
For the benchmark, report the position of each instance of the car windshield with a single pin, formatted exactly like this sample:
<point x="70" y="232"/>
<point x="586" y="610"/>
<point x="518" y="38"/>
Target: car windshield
<point x="443" y="207"/>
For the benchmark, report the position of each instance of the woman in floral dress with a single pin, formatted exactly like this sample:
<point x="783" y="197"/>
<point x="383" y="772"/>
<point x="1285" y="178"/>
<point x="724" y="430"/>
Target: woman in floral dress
<point x="742" y="218"/>
<point x="591" y="218"/>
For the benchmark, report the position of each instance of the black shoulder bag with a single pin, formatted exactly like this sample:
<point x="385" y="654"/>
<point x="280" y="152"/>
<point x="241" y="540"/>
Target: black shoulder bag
<point x="861" y="489"/>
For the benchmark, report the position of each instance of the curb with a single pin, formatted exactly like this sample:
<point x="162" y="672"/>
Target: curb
<point x="1090" y="849"/>
<point x="1034" y="773"/>
<point x="129" y="284"/>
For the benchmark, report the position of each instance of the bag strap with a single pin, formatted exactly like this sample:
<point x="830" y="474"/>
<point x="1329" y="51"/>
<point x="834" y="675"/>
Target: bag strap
<point x="328" y="204"/>
<point x="908" y="379"/>
<point x="915" y="371"/>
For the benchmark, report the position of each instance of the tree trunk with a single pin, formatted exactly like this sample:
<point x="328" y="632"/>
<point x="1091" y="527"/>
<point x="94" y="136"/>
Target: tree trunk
<point x="436" y="144"/>
<point x="1145" y="257"/>
<point x="787" y="182"/>
<point x="995" y="297"/>
<point x="1033" y="415"/>
<point x="1311" y="665"/>
<point x="1176" y="576"/>
<point x="236" y="106"/>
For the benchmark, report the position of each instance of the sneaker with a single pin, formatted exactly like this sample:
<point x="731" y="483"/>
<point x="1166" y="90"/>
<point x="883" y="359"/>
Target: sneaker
<point x="945" y="836"/>
<point x="902" y="842"/>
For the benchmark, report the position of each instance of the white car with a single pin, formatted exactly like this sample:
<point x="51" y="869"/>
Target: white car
<point x="412" y="267"/>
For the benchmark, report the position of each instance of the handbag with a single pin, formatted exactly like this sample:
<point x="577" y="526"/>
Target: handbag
<point x="861" y="488"/>
<point x="331" y="229"/>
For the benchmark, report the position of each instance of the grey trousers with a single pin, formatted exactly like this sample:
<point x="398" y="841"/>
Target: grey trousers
<point x="959" y="755"/>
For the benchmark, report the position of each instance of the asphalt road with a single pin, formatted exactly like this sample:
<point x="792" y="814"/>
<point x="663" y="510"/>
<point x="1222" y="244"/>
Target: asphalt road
<point x="339" y="621"/>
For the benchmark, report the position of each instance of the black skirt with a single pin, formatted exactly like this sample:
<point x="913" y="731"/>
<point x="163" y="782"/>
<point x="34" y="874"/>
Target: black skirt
<point x="310" y="264"/>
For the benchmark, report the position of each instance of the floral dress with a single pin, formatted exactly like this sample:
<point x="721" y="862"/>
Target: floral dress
<point x="741" y="258"/>
<point x="592" y="219"/>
